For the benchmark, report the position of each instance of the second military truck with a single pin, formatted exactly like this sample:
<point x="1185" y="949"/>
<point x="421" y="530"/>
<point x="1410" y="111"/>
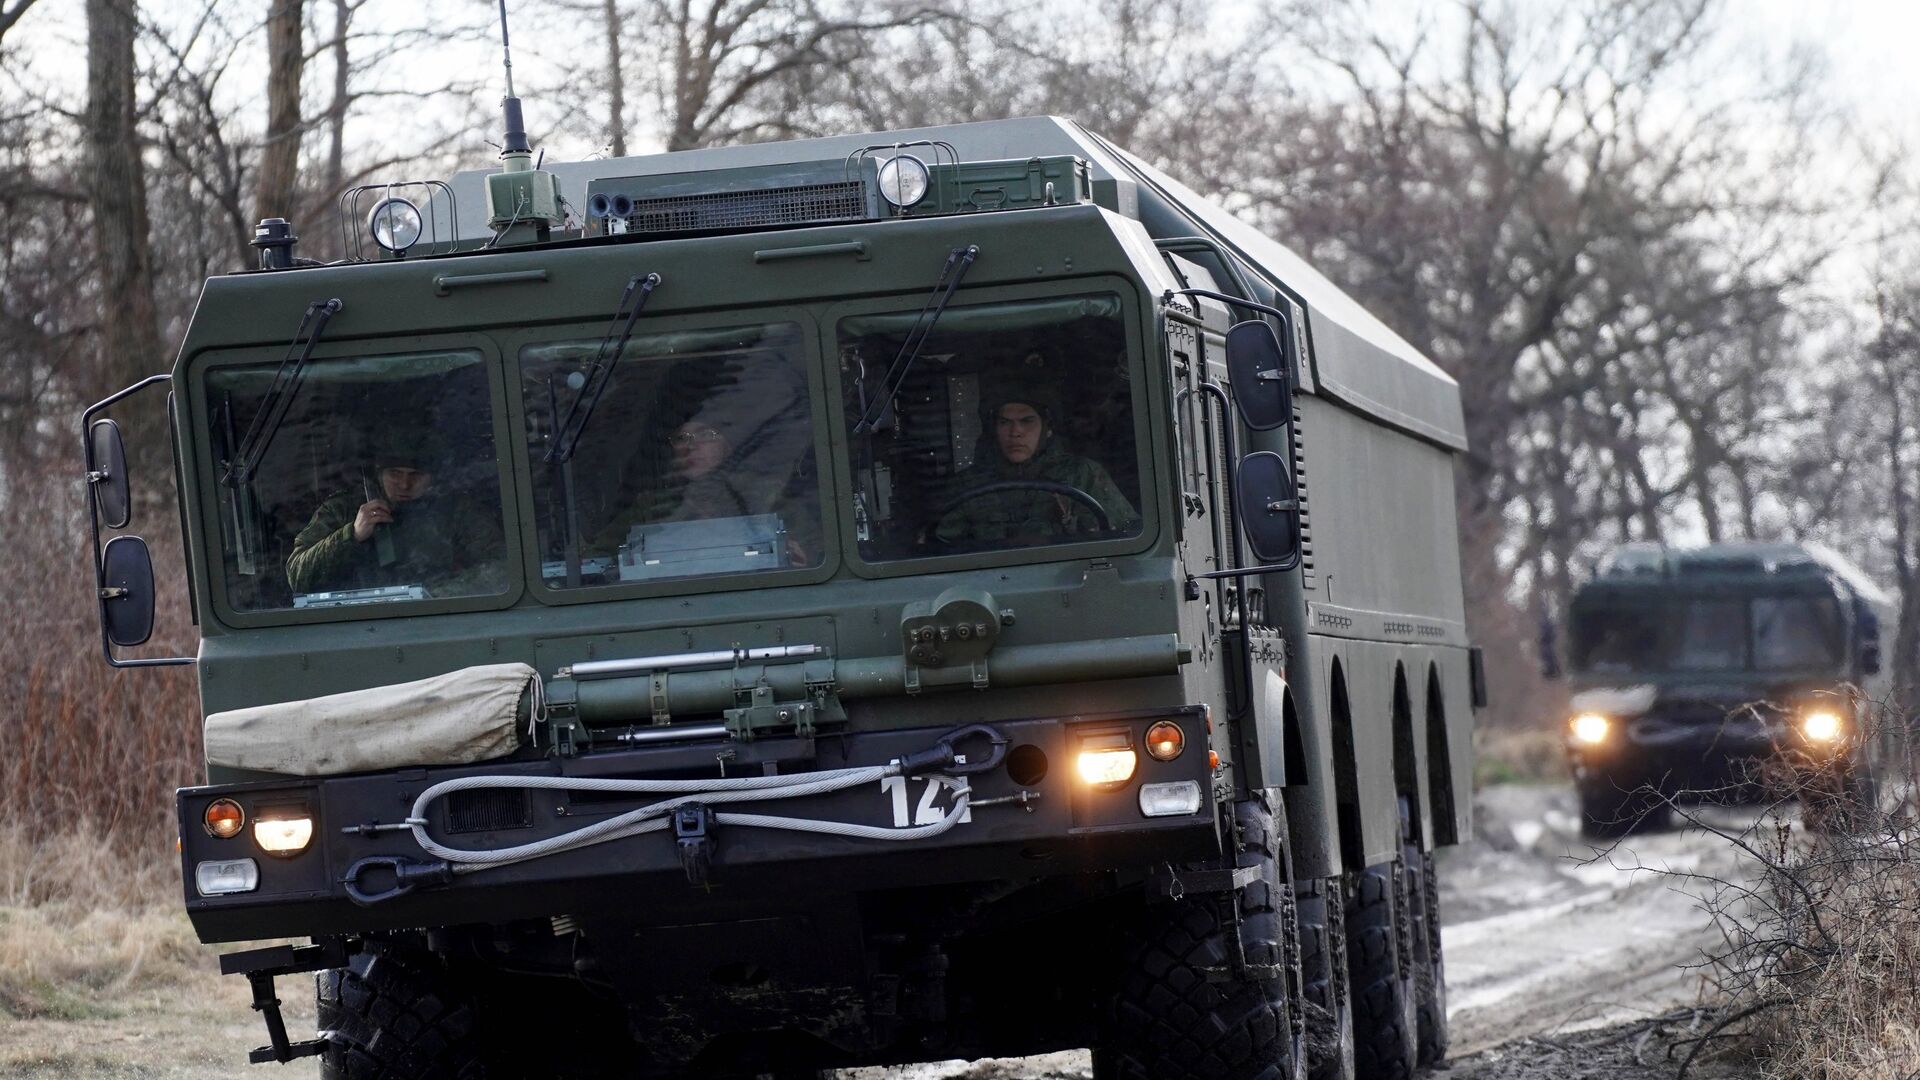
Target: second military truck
<point x="773" y="609"/>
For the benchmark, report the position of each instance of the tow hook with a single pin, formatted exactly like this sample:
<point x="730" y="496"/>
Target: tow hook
<point x="692" y="834"/>
<point x="408" y="875"/>
<point x="944" y="755"/>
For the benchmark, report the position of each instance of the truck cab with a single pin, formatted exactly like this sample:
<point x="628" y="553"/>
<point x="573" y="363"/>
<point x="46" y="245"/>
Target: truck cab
<point x="1694" y="671"/>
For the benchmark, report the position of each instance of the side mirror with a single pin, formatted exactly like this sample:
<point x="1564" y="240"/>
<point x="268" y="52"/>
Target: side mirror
<point x="1262" y="378"/>
<point x="107" y="473"/>
<point x="126" y="591"/>
<point x="1270" y="509"/>
<point x="1866" y="631"/>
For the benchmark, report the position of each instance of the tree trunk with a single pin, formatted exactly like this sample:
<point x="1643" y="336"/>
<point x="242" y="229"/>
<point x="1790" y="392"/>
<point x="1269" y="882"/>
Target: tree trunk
<point x="117" y="191"/>
<point x="280" y="156"/>
<point x="616" y="84"/>
<point x="337" y="108"/>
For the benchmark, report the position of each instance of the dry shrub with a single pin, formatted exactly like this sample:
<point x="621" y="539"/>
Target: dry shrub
<point x="1821" y="965"/>
<point x="87" y="747"/>
<point x="1518" y="755"/>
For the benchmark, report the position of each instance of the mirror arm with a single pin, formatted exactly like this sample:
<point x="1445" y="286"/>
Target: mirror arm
<point x="1235" y="301"/>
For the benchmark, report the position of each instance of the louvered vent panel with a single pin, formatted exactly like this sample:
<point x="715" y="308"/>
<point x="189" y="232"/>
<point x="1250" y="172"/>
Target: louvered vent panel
<point x="487" y="810"/>
<point x="750" y="209"/>
<point x="1307" y="576"/>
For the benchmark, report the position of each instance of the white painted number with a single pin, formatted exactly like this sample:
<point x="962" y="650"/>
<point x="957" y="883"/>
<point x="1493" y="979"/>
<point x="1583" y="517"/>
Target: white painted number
<point x="933" y="806"/>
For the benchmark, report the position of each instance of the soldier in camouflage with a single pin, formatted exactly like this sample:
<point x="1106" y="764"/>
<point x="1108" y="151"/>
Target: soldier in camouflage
<point x="1020" y="445"/>
<point x="408" y="532"/>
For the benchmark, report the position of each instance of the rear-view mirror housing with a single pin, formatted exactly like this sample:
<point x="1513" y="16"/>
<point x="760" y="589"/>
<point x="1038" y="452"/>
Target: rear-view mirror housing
<point x="107" y="473"/>
<point x="1270" y="509"/>
<point x="126" y="591"/>
<point x="1262" y="377"/>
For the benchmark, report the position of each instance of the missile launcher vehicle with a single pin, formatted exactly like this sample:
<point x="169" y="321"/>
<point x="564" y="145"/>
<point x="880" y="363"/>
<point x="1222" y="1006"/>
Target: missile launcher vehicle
<point x="774" y="609"/>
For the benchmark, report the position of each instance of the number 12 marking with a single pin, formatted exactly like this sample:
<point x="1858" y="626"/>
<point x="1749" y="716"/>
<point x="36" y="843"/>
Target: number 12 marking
<point x="929" y="811"/>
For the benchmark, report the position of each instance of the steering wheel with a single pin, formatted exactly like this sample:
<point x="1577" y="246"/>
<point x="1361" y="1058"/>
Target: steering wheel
<point x="1050" y="487"/>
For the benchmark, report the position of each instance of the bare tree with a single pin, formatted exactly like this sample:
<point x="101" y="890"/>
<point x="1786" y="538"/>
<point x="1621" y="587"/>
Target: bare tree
<point x="117" y="193"/>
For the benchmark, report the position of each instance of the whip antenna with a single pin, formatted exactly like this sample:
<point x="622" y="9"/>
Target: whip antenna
<point x="515" y="141"/>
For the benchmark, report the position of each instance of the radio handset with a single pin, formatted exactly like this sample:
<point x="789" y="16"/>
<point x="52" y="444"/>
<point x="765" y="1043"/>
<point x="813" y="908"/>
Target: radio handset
<point x="385" y="553"/>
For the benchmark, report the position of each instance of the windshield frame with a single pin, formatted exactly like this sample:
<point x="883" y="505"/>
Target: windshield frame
<point x="208" y="487"/>
<point x="513" y="343"/>
<point x="1663" y="608"/>
<point x="1147" y="403"/>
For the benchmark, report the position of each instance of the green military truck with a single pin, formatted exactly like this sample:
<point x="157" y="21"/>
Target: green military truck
<point x="782" y="608"/>
<point x="1695" y="670"/>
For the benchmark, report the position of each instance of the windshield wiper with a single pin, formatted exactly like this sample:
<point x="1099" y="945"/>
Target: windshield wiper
<point x="566" y="437"/>
<point x="280" y="393"/>
<point x="958" y="260"/>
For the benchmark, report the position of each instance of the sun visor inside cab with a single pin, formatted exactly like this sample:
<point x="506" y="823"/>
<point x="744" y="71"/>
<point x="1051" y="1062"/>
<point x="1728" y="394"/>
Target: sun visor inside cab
<point x="464" y="716"/>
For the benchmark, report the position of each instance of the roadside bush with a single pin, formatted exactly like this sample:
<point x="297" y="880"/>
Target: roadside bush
<point x="92" y="754"/>
<point x="1821" y="966"/>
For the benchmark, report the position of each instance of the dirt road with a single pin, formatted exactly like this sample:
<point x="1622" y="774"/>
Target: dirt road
<point x="1541" y="937"/>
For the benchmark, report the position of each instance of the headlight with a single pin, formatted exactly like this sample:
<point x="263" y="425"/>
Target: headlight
<point x="1822" y="726"/>
<point x="903" y="180"/>
<point x="1165" y="740"/>
<point x="223" y="818"/>
<point x="283" y="836"/>
<point x="395" y="224"/>
<point x="1109" y="764"/>
<point x="226" y="876"/>
<point x="1590" y="729"/>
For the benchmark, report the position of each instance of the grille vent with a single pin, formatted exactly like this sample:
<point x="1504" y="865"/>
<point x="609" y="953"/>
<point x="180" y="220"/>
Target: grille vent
<point x="487" y="810"/>
<point x="1307" y="577"/>
<point x="750" y="209"/>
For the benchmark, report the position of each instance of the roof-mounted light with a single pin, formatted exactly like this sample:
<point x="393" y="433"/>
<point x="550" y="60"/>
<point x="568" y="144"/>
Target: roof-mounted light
<point x="395" y="225"/>
<point x="903" y="180"/>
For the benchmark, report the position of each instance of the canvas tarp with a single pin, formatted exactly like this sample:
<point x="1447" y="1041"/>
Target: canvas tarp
<point x="461" y="717"/>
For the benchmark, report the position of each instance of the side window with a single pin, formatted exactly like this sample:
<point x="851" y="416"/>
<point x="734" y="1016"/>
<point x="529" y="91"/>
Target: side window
<point x="380" y="484"/>
<point x="697" y="460"/>
<point x="1013" y="428"/>
<point x="1797" y="632"/>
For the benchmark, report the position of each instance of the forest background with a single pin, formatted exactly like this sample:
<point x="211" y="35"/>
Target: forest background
<point x="1674" y="269"/>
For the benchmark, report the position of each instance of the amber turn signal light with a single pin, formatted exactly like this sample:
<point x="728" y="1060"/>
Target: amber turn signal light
<point x="224" y="818"/>
<point x="1165" y="740"/>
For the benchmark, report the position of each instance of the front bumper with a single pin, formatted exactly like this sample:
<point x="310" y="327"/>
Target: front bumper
<point x="1069" y="828"/>
<point x="1680" y="756"/>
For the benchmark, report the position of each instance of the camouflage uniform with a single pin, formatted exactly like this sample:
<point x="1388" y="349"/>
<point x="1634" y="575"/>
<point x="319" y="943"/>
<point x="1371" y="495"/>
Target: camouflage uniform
<point x="452" y="546"/>
<point x="1023" y="518"/>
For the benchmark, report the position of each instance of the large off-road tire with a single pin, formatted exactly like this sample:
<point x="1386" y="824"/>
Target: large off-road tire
<point x="1429" y="969"/>
<point x="1379" y="938"/>
<point x="394" y="1014"/>
<point x="1323" y="974"/>
<point x="1609" y="811"/>
<point x="1179" y="1011"/>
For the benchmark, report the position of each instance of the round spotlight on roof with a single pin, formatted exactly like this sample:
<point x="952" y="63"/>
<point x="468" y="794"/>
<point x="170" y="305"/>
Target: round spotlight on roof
<point x="395" y="225"/>
<point x="903" y="180"/>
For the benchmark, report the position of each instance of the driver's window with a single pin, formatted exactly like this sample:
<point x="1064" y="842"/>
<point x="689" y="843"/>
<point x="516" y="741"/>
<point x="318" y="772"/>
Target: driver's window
<point x="1013" y="428"/>
<point x="380" y="484"/>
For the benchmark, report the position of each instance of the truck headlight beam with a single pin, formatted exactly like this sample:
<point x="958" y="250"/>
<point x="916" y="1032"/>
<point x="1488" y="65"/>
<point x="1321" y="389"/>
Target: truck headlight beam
<point x="1590" y="729"/>
<point x="1822" y="726"/>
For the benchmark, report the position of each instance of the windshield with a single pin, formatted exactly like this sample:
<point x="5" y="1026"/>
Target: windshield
<point x="1014" y="428"/>
<point x="1766" y="633"/>
<point x="380" y="486"/>
<point x="699" y="460"/>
